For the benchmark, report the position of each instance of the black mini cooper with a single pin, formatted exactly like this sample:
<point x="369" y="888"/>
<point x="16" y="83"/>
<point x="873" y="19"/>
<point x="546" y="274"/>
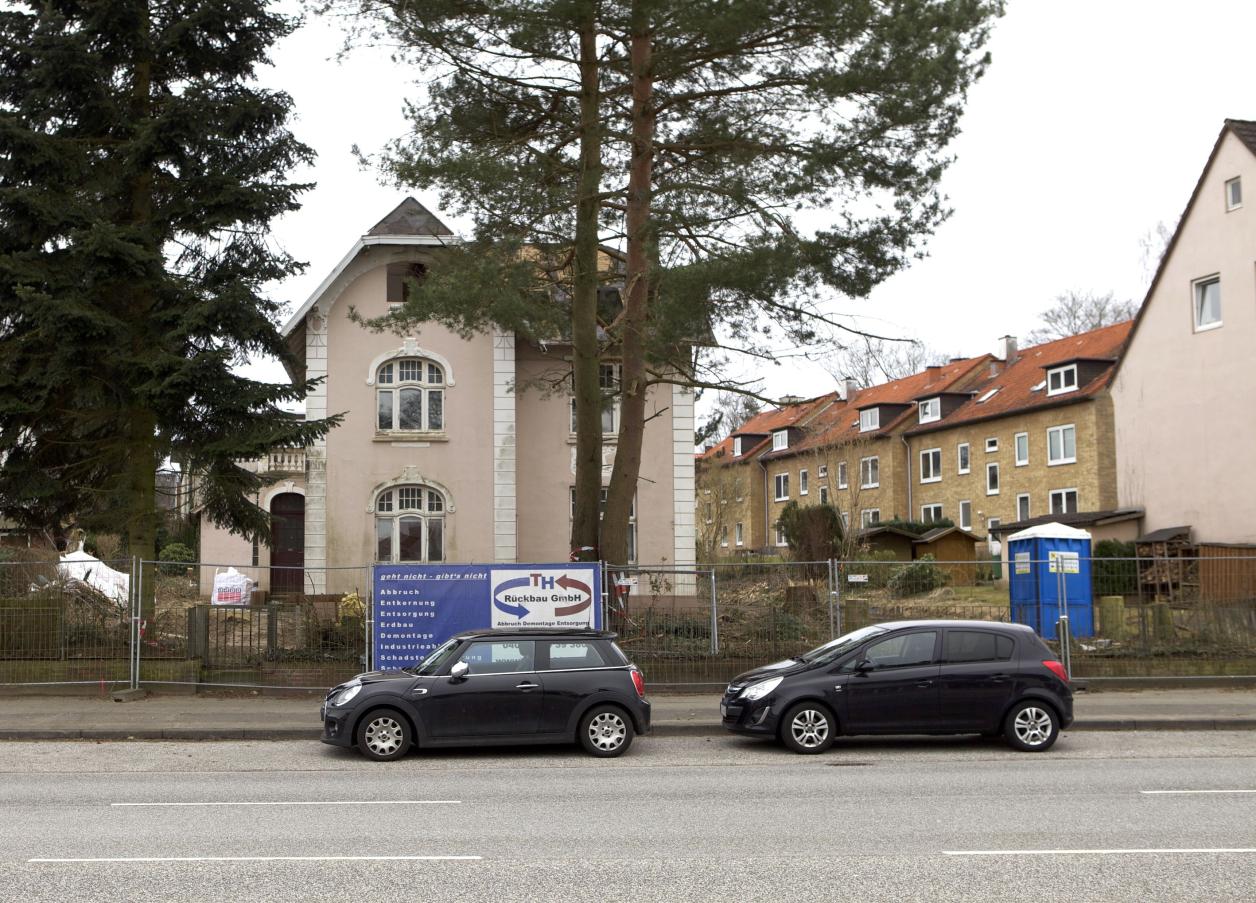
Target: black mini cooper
<point x="496" y="687"/>
<point x="908" y="677"/>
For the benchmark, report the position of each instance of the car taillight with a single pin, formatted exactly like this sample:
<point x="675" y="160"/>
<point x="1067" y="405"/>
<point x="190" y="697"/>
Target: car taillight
<point x="639" y="682"/>
<point x="1057" y="669"/>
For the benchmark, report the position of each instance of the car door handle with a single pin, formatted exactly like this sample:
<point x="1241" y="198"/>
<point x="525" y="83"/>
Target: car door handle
<point x="526" y="686"/>
<point x="998" y="679"/>
<point x="925" y="683"/>
<point x="421" y="691"/>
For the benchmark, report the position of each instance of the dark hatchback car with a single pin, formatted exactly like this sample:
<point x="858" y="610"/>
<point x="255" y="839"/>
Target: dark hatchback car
<point x="496" y="687"/>
<point x="908" y="677"/>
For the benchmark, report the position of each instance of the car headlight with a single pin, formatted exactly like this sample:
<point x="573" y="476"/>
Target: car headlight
<point x="761" y="689"/>
<point x="347" y="694"/>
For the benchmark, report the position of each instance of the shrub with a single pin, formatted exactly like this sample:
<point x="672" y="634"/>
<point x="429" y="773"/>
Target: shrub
<point x="921" y="576"/>
<point x="1113" y="570"/>
<point x="814" y="532"/>
<point x="176" y="552"/>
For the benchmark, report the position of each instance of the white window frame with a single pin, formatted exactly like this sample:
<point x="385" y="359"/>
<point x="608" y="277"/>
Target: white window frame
<point x="739" y="534"/>
<point x="1028" y="506"/>
<point x="1063" y="494"/>
<point x="869" y="420"/>
<point x="432" y="506"/>
<point x="1057" y="382"/>
<point x="934" y="457"/>
<point x="991" y="524"/>
<point x="842" y="477"/>
<point x="845" y="521"/>
<point x="993" y="392"/>
<point x="993" y="467"/>
<point x="930" y="410"/>
<point x="1016" y="445"/>
<point x="737" y="446"/>
<point x="389" y="382"/>
<point x="866" y="466"/>
<point x="1063" y="459"/>
<point x="781" y="541"/>
<point x="1197" y="288"/>
<point x="935" y="509"/>
<point x="804" y="482"/>
<point x="781" y="481"/>
<point x="992" y="445"/>
<point x="724" y="536"/>
<point x="822" y="472"/>
<point x="869" y="517"/>
<point x="824" y="494"/>
<point x="780" y="440"/>
<point x="963" y="458"/>
<point x="965" y="514"/>
<point x="1230" y="202"/>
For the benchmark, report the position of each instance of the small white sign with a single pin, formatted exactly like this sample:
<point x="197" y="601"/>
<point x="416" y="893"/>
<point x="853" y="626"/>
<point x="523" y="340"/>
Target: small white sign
<point x="1022" y="563"/>
<point x="856" y="578"/>
<point x="1065" y="563"/>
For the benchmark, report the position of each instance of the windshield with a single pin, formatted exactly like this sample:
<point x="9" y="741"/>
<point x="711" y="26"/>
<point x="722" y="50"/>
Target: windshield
<point x="438" y="657"/>
<point x="840" y="646"/>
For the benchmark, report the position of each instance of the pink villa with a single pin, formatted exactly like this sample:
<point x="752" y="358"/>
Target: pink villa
<point x="446" y="453"/>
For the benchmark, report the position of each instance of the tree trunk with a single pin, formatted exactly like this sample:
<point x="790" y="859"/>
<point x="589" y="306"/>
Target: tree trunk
<point x="584" y="341"/>
<point x="641" y="254"/>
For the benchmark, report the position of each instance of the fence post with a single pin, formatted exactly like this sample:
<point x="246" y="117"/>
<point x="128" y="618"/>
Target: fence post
<point x="715" y="618"/>
<point x="1064" y="634"/>
<point x="835" y="601"/>
<point x="137" y="595"/>
<point x="368" y="655"/>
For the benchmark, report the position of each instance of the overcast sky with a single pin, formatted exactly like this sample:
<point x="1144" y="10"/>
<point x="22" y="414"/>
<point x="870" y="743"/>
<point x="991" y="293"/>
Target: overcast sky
<point x="1090" y="127"/>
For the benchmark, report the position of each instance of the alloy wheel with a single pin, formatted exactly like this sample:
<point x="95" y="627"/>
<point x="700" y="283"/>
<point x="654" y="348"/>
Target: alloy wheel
<point x="1033" y="726"/>
<point x="607" y="731"/>
<point x="809" y="728"/>
<point x="384" y="736"/>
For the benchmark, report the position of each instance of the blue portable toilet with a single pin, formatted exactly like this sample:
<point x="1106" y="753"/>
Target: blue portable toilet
<point x="1046" y="561"/>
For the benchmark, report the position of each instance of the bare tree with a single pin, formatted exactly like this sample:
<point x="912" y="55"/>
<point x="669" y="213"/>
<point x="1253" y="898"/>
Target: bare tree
<point x="731" y="410"/>
<point x="871" y="361"/>
<point x="1076" y="312"/>
<point x="1153" y="244"/>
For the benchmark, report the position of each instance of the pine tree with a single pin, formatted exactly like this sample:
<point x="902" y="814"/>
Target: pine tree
<point x="760" y="158"/>
<point x="140" y="168"/>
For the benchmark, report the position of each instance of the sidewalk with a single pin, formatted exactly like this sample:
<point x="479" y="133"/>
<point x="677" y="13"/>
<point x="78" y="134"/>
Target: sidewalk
<point x="247" y="717"/>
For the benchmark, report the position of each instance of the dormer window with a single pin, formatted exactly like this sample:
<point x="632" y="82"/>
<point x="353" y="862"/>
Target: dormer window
<point x="1062" y="379"/>
<point x="1234" y="194"/>
<point x="869" y="420"/>
<point x="780" y="440"/>
<point x="930" y="410"/>
<point x="737" y="446"/>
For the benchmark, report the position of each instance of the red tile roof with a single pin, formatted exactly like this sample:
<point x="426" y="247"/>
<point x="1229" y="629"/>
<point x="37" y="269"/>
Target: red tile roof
<point x="1016" y="384"/>
<point x="765" y="422"/>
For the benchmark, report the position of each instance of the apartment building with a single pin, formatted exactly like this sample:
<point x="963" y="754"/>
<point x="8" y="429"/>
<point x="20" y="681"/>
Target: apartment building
<point x="982" y="441"/>
<point x="1186" y="386"/>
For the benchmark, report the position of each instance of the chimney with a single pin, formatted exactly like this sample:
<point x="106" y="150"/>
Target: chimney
<point x="849" y="389"/>
<point x="1005" y="349"/>
<point x="934" y="371"/>
<point x="789" y="399"/>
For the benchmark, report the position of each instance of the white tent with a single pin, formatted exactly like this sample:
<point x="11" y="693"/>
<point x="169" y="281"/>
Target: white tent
<point x="113" y="584"/>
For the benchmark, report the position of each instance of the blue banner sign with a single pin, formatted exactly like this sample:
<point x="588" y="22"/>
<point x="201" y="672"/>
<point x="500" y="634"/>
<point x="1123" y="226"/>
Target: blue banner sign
<point x="416" y="607"/>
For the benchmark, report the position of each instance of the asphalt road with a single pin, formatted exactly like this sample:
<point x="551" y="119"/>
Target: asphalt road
<point x="676" y="819"/>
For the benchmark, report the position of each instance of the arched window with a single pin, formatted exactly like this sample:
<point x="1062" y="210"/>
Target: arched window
<point x="410" y="524"/>
<point x="410" y="396"/>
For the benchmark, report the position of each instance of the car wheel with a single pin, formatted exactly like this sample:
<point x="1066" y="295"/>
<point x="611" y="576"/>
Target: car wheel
<point x="384" y="735"/>
<point x="808" y="728"/>
<point x="1031" y="726"/>
<point x="605" y="731"/>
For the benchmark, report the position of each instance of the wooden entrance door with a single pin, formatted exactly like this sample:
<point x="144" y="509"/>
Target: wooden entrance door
<point x="287" y="549"/>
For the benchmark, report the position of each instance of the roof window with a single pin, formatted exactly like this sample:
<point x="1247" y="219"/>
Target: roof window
<point x="993" y="392"/>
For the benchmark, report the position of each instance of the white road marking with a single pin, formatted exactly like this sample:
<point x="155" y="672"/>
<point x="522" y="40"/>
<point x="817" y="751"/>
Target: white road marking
<point x="1156" y="850"/>
<point x="274" y="859"/>
<point x="307" y="803"/>
<point x="1158" y="792"/>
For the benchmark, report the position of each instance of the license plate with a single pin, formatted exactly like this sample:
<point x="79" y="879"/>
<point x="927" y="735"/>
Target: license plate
<point x="723" y="710"/>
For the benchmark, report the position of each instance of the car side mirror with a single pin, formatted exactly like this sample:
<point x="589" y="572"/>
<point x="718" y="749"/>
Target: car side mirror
<point x="865" y="666"/>
<point x="459" y="671"/>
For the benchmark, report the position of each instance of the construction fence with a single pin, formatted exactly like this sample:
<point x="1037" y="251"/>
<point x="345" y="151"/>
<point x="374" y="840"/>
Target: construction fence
<point x="130" y="623"/>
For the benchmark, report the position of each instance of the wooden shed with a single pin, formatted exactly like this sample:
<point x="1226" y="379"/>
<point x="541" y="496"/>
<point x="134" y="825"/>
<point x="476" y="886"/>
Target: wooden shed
<point x="891" y="539"/>
<point x="951" y="544"/>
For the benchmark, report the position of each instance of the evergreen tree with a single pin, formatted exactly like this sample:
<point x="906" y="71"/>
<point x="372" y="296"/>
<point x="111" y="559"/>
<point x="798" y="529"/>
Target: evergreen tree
<point x="140" y="168"/>
<point x="730" y="129"/>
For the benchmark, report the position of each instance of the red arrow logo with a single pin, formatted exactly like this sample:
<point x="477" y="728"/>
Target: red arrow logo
<point x="567" y="583"/>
